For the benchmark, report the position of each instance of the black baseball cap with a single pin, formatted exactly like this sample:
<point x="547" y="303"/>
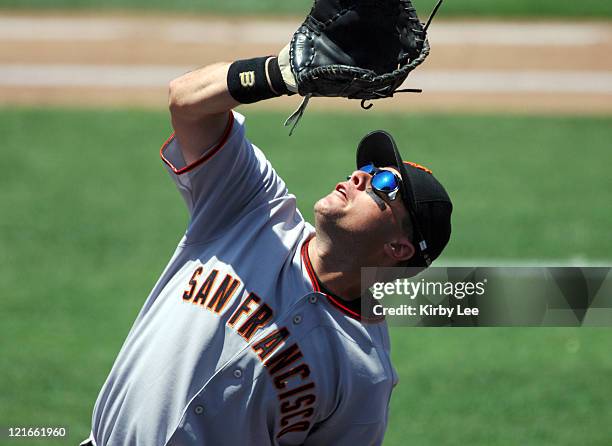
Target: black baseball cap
<point x="426" y="200"/>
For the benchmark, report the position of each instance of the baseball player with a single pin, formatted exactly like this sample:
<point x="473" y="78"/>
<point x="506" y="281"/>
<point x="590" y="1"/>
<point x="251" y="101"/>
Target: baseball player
<point x="254" y="334"/>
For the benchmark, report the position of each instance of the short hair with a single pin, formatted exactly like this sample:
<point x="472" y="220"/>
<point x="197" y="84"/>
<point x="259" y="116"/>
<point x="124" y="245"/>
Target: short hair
<point x="408" y="229"/>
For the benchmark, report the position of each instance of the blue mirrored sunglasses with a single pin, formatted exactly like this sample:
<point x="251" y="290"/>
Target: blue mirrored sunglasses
<point x="383" y="181"/>
<point x="388" y="183"/>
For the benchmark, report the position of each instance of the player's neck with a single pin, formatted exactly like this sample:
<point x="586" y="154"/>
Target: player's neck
<point x="339" y="275"/>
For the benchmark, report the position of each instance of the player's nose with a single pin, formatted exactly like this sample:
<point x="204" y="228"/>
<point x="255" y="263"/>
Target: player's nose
<point x="359" y="179"/>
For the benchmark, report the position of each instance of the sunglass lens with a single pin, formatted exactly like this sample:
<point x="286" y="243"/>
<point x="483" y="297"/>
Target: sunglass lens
<point x="384" y="181"/>
<point x="368" y="168"/>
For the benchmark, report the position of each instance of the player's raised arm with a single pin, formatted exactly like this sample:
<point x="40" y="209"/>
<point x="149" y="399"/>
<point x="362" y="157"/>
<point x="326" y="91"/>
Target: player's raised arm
<point x="200" y="100"/>
<point x="323" y="58"/>
<point x="199" y="103"/>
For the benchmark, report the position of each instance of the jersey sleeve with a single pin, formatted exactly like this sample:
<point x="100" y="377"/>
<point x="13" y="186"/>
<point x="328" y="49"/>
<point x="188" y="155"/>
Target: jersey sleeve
<point x="230" y="180"/>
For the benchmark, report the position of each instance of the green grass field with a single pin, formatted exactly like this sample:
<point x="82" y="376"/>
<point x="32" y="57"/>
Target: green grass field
<point x="89" y="219"/>
<point x="452" y="8"/>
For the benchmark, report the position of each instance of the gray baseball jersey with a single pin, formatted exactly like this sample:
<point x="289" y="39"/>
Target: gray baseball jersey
<point x="236" y="344"/>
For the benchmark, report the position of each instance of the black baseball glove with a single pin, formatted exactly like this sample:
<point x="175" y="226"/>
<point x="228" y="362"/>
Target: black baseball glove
<point x="358" y="49"/>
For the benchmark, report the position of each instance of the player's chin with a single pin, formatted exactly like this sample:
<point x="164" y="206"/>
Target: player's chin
<point x="331" y="204"/>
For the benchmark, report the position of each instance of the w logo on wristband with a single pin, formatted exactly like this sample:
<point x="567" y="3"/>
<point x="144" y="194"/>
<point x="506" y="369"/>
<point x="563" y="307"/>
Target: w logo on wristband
<point x="247" y="78"/>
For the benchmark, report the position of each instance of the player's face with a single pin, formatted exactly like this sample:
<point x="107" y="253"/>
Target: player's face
<point x="353" y="213"/>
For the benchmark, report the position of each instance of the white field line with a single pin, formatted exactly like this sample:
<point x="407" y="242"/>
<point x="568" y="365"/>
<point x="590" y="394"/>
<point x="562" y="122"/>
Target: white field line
<point x="211" y="31"/>
<point x="123" y="76"/>
<point x="539" y="263"/>
<point x="88" y="75"/>
<point x="528" y="81"/>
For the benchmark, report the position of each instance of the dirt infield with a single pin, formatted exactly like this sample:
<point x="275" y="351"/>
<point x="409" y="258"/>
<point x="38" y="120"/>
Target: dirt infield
<point x="111" y="60"/>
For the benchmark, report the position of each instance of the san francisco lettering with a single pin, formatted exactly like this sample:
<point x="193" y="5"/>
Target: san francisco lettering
<point x="284" y="363"/>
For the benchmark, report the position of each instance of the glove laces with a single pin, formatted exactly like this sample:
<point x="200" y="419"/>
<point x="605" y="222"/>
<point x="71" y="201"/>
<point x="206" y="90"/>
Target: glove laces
<point x="297" y="114"/>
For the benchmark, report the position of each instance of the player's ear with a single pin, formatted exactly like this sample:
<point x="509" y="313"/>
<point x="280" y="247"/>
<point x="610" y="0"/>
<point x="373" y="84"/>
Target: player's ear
<point x="399" y="249"/>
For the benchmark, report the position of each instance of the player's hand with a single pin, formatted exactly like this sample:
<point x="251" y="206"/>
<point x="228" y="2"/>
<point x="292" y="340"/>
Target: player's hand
<point x="285" y="66"/>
